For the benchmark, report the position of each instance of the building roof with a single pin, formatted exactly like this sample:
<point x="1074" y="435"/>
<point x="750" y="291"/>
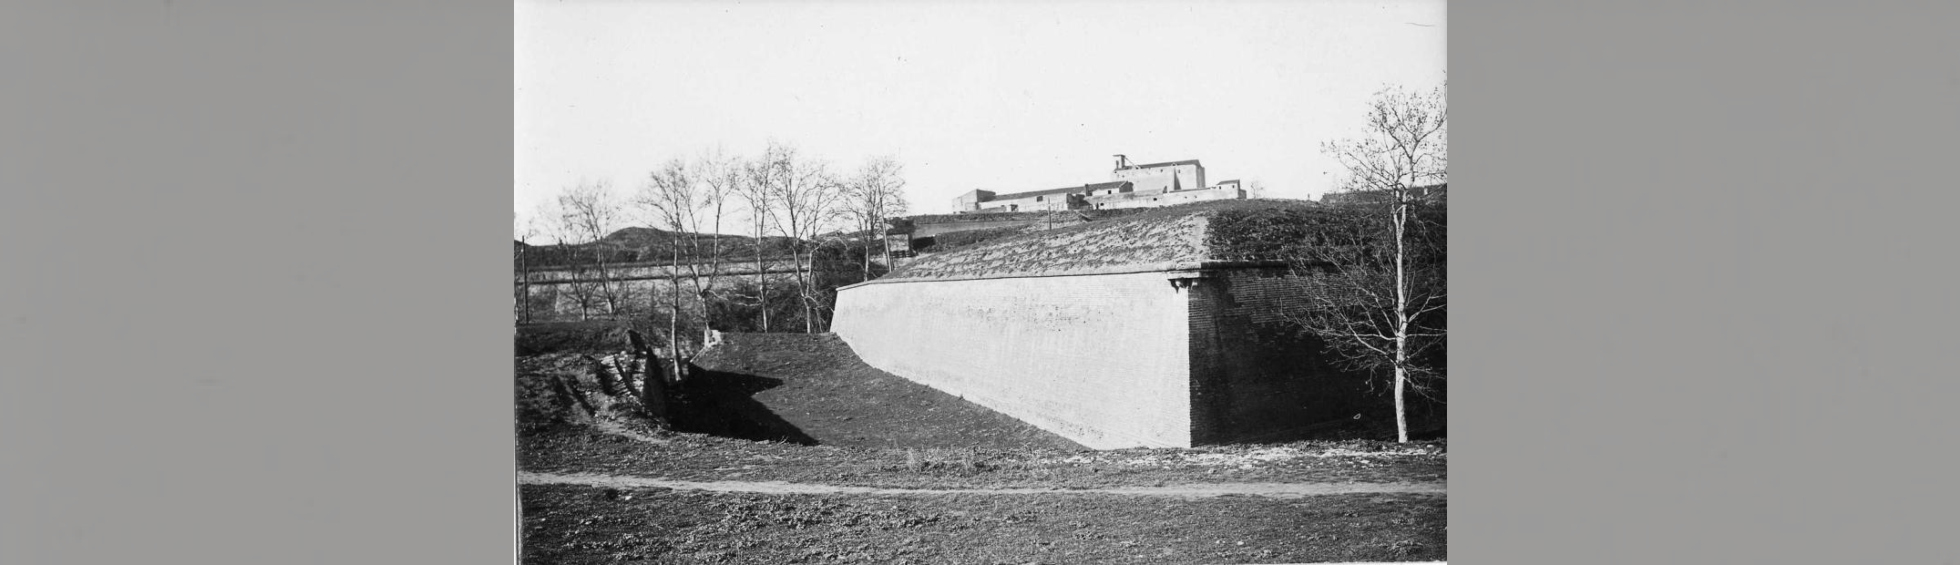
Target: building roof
<point x="1072" y="189"/>
<point x="1163" y="164"/>
<point x="1161" y="239"/>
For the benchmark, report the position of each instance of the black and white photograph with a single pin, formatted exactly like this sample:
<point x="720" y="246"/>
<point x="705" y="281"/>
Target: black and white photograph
<point x="980" y="282"/>
<point x="976" y="282"/>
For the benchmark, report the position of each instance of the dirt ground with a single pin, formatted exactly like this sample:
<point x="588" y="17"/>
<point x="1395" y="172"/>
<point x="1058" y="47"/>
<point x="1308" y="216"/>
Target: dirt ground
<point x="584" y="524"/>
<point x="816" y="384"/>
<point x="806" y="455"/>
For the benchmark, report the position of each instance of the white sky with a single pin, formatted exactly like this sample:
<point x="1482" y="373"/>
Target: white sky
<point x="1002" y="96"/>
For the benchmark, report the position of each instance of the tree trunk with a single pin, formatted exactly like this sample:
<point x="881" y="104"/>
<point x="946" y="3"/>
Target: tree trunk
<point x="606" y="291"/>
<point x="761" y="277"/>
<point x="802" y="287"/>
<point x="674" y="319"/>
<point x="810" y="293"/>
<point x="524" y="304"/>
<point x="1402" y="316"/>
<point x="707" y="328"/>
<point x="1401" y="414"/>
<point x="885" y="243"/>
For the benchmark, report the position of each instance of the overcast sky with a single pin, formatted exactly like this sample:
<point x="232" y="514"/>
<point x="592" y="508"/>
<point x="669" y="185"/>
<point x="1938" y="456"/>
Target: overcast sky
<point x="1002" y="96"/>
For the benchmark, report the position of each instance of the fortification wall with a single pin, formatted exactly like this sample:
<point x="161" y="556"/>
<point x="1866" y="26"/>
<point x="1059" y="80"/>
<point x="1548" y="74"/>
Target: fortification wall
<point x="1254" y="376"/>
<point x="1102" y="360"/>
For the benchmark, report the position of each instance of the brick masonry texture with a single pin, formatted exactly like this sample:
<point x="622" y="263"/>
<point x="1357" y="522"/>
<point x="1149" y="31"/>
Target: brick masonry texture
<point x="1102" y="360"/>
<point x="1253" y="375"/>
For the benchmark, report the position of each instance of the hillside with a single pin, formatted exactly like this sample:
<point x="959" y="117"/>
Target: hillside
<point x="646" y="245"/>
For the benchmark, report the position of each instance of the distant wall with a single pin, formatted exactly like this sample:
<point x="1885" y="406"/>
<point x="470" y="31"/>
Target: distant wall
<point x="1159" y="179"/>
<point x="555" y="294"/>
<point x="1039" y="203"/>
<point x="1157" y="199"/>
<point x="1102" y="360"/>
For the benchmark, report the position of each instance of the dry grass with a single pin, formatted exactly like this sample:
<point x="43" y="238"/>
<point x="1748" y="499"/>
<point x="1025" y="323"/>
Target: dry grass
<point x="1159" y="239"/>
<point x="885" y="432"/>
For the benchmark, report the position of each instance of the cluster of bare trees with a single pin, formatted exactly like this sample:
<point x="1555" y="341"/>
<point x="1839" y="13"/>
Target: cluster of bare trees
<point x="782" y="194"/>
<point x="1384" y="298"/>
<point x="799" y="211"/>
<point x="583" y="212"/>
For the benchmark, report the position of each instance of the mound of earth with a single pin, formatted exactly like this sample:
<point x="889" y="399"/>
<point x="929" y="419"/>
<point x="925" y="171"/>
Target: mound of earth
<point x="561" y="389"/>
<point x="587" y="336"/>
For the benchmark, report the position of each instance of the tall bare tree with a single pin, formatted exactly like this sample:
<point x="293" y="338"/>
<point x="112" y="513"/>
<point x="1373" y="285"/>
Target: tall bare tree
<point x="719" y="177"/>
<point x="669" y="198"/>
<point x="1384" y="286"/>
<point x="525" y="229"/>
<point x="809" y="202"/>
<point x="588" y="211"/>
<point x="757" y="176"/>
<point x="577" y="284"/>
<point x="690" y="200"/>
<point x="873" y="195"/>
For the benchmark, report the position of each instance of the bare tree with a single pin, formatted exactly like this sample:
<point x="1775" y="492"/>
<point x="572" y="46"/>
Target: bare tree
<point x="756" y="178"/>
<point x="719" y="176"/>
<point x="669" y="198"/>
<point x="525" y="229"/>
<point x="1406" y="145"/>
<point x="551" y="220"/>
<point x="873" y="195"/>
<point x="1382" y="280"/>
<point x="689" y="200"/>
<point x="809" y="203"/>
<point x="587" y="211"/>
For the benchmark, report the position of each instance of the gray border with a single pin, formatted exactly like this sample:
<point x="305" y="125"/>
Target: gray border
<point x="1698" y="288"/>
<point x="1699" y="282"/>
<point x="257" y="303"/>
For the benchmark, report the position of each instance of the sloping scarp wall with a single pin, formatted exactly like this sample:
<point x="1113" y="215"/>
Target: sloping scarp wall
<point x="1103" y="360"/>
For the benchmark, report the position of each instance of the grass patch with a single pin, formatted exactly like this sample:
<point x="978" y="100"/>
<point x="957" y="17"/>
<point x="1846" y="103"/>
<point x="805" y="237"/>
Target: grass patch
<point x="951" y="241"/>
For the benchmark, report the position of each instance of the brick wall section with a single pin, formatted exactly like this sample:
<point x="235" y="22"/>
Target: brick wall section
<point x="1102" y="360"/>
<point x="1252" y="375"/>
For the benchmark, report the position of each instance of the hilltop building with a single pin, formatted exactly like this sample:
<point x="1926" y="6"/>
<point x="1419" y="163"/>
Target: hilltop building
<point x="1130" y="186"/>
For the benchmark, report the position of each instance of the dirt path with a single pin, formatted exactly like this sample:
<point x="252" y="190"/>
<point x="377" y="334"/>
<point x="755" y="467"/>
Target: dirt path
<point x="1271" y="490"/>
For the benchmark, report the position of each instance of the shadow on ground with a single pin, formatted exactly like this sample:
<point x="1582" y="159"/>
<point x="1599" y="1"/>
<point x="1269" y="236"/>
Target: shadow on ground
<point x="814" y="387"/>
<point x="723" y="403"/>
